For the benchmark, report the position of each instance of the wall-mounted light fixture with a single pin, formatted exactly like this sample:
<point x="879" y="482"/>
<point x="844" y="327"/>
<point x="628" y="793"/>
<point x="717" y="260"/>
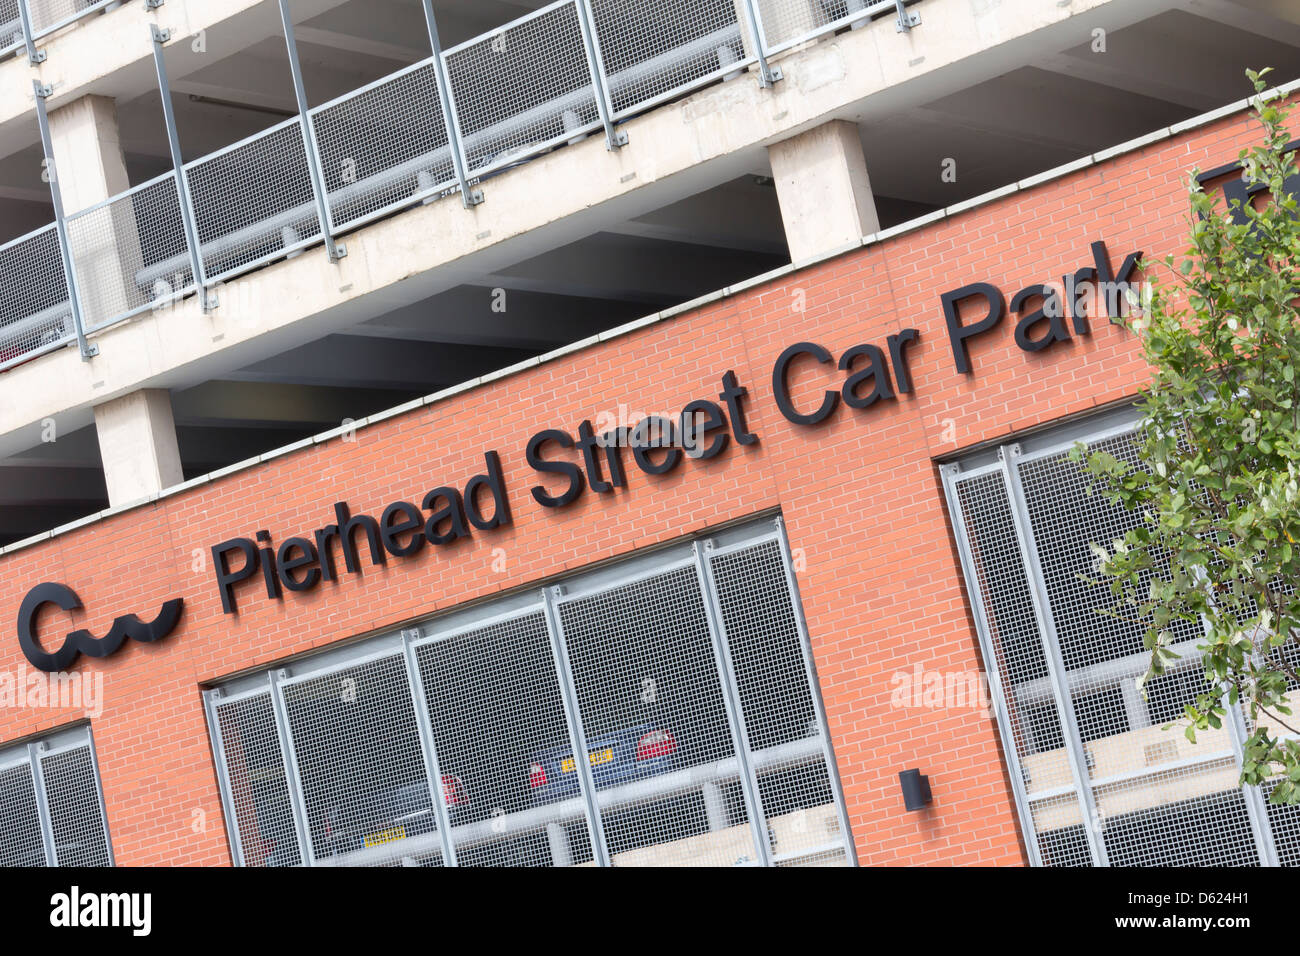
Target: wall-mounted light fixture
<point x="916" y="789"/>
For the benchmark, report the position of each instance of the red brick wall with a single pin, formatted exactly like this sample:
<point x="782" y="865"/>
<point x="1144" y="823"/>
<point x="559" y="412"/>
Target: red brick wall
<point x="860" y="494"/>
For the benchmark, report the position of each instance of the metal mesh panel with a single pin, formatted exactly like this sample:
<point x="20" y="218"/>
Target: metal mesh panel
<point x="523" y="88"/>
<point x="1104" y="655"/>
<point x="776" y="703"/>
<point x="20" y="819"/>
<point x="1194" y="816"/>
<point x="361" y="766"/>
<point x="262" y="811"/>
<point x="34" y="309"/>
<point x="787" y="22"/>
<point x="1285" y="824"/>
<point x="1006" y="598"/>
<point x="117" y="246"/>
<point x="11" y="26"/>
<point x="1062" y="836"/>
<point x="252" y="203"/>
<point x="661" y="48"/>
<point x="49" y="15"/>
<point x="384" y="147"/>
<point x="497" y="716"/>
<point x="76" y="818"/>
<point x="658" y="738"/>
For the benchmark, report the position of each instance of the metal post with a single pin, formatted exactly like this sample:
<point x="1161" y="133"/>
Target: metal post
<point x="1010" y="456"/>
<point x="436" y="793"/>
<point x="88" y="350"/>
<point x="42" y="804"/>
<point x="731" y="703"/>
<point x="210" y="699"/>
<point x="208" y="301"/>
<point x="99" y="791"/>
<point x="768" y="75"/>
<point x="951" y="475"/>
<point x="815" y="690"/>
<point x="34" y="55"/>
<point x="337" y="250"/>
<point x="577" y="735"/>
<point x="614" y="138"/>
<point x="470" y="197"/>
<point x="306" y="846"/>
<point x="906" y="20"/>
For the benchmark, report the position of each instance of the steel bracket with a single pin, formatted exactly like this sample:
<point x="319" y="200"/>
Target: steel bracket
<point x="906" y="18"/>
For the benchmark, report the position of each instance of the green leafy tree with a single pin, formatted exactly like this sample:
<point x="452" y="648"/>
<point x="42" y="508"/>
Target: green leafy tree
<point x="1217" y="480"/>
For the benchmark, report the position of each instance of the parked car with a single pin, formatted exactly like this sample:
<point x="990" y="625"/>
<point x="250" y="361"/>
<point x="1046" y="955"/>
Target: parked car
<point x="397" y="813"/>
<point x="633" y="753"/>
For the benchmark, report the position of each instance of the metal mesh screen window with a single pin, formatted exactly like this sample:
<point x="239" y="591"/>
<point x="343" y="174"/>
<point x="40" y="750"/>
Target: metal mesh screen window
<point x="72" y="792"/>
<point x="497" y="718"/>
<point x="461" y="741"/>
<point x="384" y="147"/>
<point x="21" y="843"/>
<point x="655" y="723"/>
<point x="359" y="760"/>
<point x="35" y="313"/>
<point x="257" y="798"/>
<point x="253" y="202"/>
<point x="523" y="89"/>
<point x="659" y="49"/>
<point x="118" y="247"/>
<point x="783" y="730"/>
<point x="1108" y="784"/>
<point x="51" y="808"/>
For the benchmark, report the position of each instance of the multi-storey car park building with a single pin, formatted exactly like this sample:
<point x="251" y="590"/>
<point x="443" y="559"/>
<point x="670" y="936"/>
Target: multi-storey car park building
<point x="406" y="401"/>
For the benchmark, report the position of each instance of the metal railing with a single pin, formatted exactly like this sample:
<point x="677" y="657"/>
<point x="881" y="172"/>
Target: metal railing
<point x="23" y="22"/>
<point x="436" y="128"/>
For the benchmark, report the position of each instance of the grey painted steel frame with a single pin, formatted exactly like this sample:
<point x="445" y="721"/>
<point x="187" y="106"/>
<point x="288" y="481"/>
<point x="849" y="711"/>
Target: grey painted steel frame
<point x="577" y="733"/>
<point x="37" y="751"/>
<point x="99" y="792"/>
<point x="159" y="37"/>
<point x="815" y="688"/>
<point x="731" y="701"/>
<point x="34" y="56"/>
<point x="88" y="350"/>
<point x="653" y="562"/>
<point x="952" y="476"/>
<point x="1256" y="812"/>
<point x="1009" y="455"/>
<point x="437" y="795"/>
<point x="468" y="195"/>
<point x="768" y="75"/>
<point x="284" y="732"/>
<point x="336" y="250"/>
<point x="42" y="803"/>
<point x="210" y="700"/>
<point x="614" y="138"/>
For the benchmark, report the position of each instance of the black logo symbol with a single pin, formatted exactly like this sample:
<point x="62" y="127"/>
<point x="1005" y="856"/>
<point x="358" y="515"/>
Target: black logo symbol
<point x="83" y="642"/>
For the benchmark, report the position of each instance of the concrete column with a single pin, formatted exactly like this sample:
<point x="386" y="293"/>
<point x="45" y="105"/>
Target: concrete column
<point x="137" y="443"/>
<point x="823" y="188"/>
<point x="91" y="168"/>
